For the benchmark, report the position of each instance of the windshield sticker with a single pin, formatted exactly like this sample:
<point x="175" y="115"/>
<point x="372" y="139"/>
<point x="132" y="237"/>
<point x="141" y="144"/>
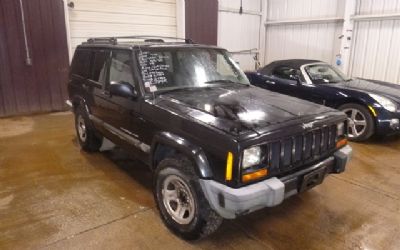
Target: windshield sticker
<point x="153" y="88"/>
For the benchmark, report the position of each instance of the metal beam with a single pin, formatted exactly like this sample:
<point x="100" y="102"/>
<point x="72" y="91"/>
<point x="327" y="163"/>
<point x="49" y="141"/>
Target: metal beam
<point x="391" y="16"/>
<point x="304" y="21"/>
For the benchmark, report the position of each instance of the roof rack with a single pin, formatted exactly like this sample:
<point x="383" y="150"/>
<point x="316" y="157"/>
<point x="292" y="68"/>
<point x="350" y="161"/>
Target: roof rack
<point x="114" y="40"/>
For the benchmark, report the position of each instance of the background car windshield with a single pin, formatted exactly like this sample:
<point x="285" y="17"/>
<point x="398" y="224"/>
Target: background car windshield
<point x="164" y="69"/>
<point x="324" y="73"/>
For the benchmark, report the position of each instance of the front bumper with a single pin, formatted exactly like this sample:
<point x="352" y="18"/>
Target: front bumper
<point x="387" y="123"/>
<point x="230" y="202"/>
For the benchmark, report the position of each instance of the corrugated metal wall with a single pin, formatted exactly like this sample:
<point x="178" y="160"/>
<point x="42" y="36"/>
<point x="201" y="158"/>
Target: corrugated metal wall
<point x="376" y="46"/>
<point x="318" y="40"/>
<point x="91" y="18"/>
<point x="239" y="32"/>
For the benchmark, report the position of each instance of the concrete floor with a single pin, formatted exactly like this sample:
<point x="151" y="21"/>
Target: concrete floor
<point x="53" y="196"/>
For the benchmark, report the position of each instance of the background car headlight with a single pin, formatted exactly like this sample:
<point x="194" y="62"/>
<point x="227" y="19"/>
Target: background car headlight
<point x="251" y="156"/>
<point x="340" y="129"/>
<point x="385" y="102"/>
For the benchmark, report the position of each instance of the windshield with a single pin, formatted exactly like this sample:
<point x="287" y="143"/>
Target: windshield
<point x="324" y="73"/>
<point x="177" y="68"/>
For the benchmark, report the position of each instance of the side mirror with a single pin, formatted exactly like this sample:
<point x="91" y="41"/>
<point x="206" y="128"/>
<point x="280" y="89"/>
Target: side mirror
<point x="122" y="89"/>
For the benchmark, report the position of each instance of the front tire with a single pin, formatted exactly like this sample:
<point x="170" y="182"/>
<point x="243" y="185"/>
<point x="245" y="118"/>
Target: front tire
<point x="181" y="202"/>
<point x="86" y="133"/>
<point x="361" y="123"/>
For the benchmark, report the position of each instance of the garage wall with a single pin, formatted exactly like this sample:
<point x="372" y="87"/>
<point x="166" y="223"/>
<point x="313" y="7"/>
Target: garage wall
<point x="240" y="33"/>
<point x="300" y="29"/>
<point x="376" y="50"/>
<point x="91" y="18"/>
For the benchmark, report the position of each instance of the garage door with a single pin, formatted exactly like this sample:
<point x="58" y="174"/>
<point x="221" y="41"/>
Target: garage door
<point x="91" y="18"/>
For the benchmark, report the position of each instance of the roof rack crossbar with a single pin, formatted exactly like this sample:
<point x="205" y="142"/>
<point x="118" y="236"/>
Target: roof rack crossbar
<point x="114" y="39"/>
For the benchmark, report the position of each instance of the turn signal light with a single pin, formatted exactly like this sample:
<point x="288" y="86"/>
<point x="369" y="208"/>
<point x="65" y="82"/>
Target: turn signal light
<point x="229" y="164"/>
<point x="254" y="175"/>
<point x="341" y="143"/>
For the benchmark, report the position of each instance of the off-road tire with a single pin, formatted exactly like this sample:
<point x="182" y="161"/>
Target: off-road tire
<point x="91" y="142"/>
<point x="205" y="220"/>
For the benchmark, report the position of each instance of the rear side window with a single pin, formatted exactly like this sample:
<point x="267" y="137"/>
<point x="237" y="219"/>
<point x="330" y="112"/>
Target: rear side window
<point x="267" y="70"/>
<point x="100" y="66"/>
<point x="81" y="63"/>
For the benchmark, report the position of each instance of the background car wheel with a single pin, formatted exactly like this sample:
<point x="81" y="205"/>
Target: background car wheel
<point x="87" y="138"/>
<point x="361" y="122"/>
<point x="181" y="202"/>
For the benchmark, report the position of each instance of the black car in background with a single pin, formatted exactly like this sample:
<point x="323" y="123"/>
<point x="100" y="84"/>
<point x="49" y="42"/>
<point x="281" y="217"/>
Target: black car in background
<point x="373" y="107"/>
<point x="218" y="147"/>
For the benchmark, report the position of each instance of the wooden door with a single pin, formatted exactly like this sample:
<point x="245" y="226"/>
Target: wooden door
<point x="201" y="21"/>
<point x="33" y="60"/>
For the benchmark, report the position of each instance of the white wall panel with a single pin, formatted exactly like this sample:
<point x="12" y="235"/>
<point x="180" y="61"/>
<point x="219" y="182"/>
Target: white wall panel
<point x="376" y="50"/>
<point x="240" y="32"/>
<point x="309" y="41"/>
<point x="91" y="18"/>
<point x="367" y="7"/>
<point x="376" y="47"/>
<point x="296" y="9"/>
<point x="303" y="40"/>
<point x="237" y="33"/>
<point x="248" y="5"/>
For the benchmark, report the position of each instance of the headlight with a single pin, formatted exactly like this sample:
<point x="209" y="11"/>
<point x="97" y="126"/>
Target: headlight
<point x="340" y="129"/>
<point x="251" y="156"/>
<point x="385" y="102"/>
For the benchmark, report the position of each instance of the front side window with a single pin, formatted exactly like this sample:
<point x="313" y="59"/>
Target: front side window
<point x="164" y="69"/>
<point x="121" y="68"/>
<point x="100" y="66"/>
<point x="324" y="73"/>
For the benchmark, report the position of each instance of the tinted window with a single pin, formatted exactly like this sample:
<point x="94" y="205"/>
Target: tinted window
<point x="100" y="66"/>
<point x="81" y="63"/>
<point x="121" y="68"/>
<point x="285" y="72"/>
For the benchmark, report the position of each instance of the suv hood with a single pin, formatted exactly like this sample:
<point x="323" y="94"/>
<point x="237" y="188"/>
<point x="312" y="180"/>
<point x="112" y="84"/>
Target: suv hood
<point x="238" y="109"/>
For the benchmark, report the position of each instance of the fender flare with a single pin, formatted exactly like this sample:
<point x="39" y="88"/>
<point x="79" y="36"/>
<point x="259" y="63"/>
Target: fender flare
<point x="194" y="152"/>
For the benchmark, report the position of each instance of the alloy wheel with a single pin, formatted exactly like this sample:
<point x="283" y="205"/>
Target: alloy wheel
<point x="357" y="122"/>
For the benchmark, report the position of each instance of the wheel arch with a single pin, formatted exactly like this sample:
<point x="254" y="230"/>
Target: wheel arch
<point x="358" y="101"/>
<point x="167" y="144"/>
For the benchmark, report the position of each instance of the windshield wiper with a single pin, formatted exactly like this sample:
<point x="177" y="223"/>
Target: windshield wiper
<point x="163" y="91"/>
<point x="222" y="81"/>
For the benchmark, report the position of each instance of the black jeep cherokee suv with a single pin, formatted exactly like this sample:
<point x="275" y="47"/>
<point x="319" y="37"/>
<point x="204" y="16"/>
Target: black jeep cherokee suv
<point x="218" y="147"/>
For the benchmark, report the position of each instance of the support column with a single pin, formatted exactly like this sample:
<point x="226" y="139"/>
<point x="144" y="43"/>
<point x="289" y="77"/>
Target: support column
<point x="343" y="58"/>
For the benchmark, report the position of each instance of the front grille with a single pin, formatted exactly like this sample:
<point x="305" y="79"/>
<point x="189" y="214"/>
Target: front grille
<point x="297" y="150"/>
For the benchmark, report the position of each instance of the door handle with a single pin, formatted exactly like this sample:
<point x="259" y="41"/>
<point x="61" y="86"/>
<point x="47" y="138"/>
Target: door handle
<point x="270" y="82"/>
